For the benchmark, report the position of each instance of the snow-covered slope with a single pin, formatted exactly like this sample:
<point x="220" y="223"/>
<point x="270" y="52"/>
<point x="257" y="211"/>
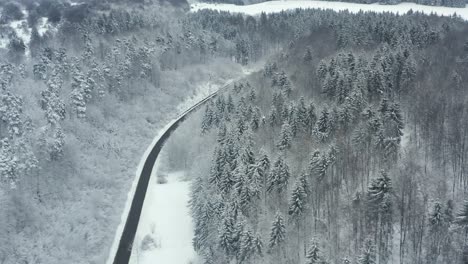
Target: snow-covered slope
<point x="278" y="6"/>
<point x="165" y="231"/>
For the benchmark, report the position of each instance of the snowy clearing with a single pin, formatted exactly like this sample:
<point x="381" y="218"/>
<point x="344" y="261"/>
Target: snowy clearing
<point x="278" y="6"/>
<point x="165" y="231"/>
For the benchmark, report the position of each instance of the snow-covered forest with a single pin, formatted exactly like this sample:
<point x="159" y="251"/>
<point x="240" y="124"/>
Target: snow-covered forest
<point x="446" y="3"/>
<point x="346" y="144"/>
<point x="348" y="147"/>
<point x="79" y="104"/>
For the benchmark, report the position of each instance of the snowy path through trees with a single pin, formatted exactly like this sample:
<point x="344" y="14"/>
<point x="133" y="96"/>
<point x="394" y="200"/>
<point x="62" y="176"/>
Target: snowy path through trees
<point x="166" y="229"/>
<point x="127" y="232"/>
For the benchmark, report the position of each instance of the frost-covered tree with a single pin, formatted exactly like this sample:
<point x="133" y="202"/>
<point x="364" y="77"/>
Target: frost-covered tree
<point x="278" y="232"/>
<point x="250" y="246"/>
<point x="78" y="97"/>
<point x="298" y="201"/>
<point x="380" y="211"/>
<point x="207" y="119"/>
<point x="285" y="139"/>
<point x="314" y="254"/>
<point x="8" y="162"/>
<point x="279" y="176"/>
<point x="255" y="123"/>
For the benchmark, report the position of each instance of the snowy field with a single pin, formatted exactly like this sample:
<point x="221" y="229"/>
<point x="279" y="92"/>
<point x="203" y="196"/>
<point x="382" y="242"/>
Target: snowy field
<point x="278" y="6"/>
<point x="165" y="231"/>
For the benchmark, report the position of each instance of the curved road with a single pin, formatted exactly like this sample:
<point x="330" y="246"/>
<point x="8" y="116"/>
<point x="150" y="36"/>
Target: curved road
<point x="124" y="249"/>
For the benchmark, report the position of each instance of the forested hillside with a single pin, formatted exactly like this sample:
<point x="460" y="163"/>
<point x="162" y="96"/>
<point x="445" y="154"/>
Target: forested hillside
<point x="447" y="3"/>
<point x="79" y="104"/>
<point x="348" y="147"/>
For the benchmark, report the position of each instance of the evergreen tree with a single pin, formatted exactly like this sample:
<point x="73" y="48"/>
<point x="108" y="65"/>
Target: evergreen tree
<point x="230" y="104"/>
<point x="311" y="116"/>
<point x="322" y="71"/>
<point x="78" y="95"/>
<point x="285" y="137"/>
<point x="323" y="123"/>
<point x="314" y="255"/>
<point x="207" y="119"/>
<point x="226" y="238"/>
<point x="278" y="231"/>
<point x="302" y="115"/>
<point x="380" y="211"/>
<point x="248" y="246"/>
<point x="279" y="176"/>
<point x="255" y="123"/>
<point x="298" y="200"/>
<point x="219" y="161"/>
<point x="252" y="95"/>
<point x="8" y="162"/>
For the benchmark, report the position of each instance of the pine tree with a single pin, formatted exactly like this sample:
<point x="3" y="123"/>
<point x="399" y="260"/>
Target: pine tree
<point x="255" y="123"/>
<point x="319" y="165"/>
<point x="323" y="123"/>
<point x="258" y="245"/>
<point x="273" y="117"/>
<point x="247" y="246"/>
<point x="51" y="103"/>
<point x="226" y="241"/>
<point x="263" y="164"/>
<point x="285" y="137"/>
<point x="8" y="162"/>
<point x="293" y="121"/>
<point x="278" y="231"/>
<point x="252" y="95"/>
<point x="219" y="161"/>
<point x="78" y="95"/>
<point x="298" y="200"/>
<point x="314" y="255"/>
<point x="312" y="116"/>
<point x="302" y="115"/>
<point x="207" y="120"/>
<point x="243" y="188"/>
<point x="227" y="179"/>
<point x="241" y="126"/>
<point x="56" y="146"/>
<point x="380" y="211"/>
<point x="279" y="176"/>
<point x="322" y="70"/>
<point x="230" y="104"/>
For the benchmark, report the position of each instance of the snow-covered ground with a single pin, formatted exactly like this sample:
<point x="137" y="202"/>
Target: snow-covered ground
<point x="278" y="6"/>
<point x="23" y="31"/>
<point x="165" y="231"/>
<point x="165" y="227"/>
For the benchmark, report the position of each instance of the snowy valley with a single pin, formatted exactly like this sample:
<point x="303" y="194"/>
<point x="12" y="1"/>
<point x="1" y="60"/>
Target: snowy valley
<point x="337" y="135"/>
